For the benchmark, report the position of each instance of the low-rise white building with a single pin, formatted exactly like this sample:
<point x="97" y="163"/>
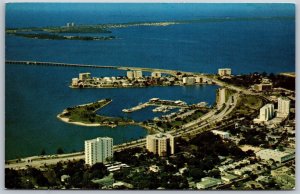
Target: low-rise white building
<point x="75" y="81"/>
<point x="198" y="79"/>
<point x="208" y="182"/>
<point x="156" y="74"/>
<point x="188" y="80"/>
<point x="278" y="156"/>
<point x="84" y="76"/>
<point x="224" y="72"/>
<point x="222" y="134"/>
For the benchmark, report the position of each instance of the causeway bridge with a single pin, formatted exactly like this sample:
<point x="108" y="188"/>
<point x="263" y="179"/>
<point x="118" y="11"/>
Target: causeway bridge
<point x="40" y="63"/>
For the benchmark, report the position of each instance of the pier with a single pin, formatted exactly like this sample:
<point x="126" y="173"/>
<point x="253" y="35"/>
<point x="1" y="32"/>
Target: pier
<point x="158" y="102"/>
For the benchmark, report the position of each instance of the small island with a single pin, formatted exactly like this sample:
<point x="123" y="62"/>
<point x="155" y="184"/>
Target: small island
<point x="85" y="115"/>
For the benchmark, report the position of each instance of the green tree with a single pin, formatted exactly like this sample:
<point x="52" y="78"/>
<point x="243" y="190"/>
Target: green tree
<point x="59" y="151"/>
<point x="43" y="152"/>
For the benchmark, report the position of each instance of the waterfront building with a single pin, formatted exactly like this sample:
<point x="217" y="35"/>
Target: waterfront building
<point x="198" y="79"/>
<point x="130" y="74"/>
<point x="138" y="74"/>
<point x="84" y="76"/>
<point x="188" y="80"/>
<point x="263" y="87"/>
<point x="221" y="97"/>
<point x="224" y="72"/>
<point x="156" y="74"/>
<point x="222" y="134"/>
<point x="266" y="112"/>
<point x="161" y="144"/>
<point x="208" y="182"/>
<point x="283" y="106"/>
<point x="74" y="81"/>
<point x="98" y="150"/>
<point x="277" y="156"/>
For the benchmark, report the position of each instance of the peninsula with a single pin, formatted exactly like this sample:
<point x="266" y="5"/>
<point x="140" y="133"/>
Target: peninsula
<point x="85" y="115"/>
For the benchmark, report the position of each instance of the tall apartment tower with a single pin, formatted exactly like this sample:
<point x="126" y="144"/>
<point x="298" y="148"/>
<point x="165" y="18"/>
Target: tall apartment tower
<point x="221" y="97"/>
<point x="98" y="150"/>
<point x="266" y="112"/>
<point x="138" y="74"/>
<point x="161" y="144"/>
<point x="283" y="106"/>
<point x="130" y="74"/>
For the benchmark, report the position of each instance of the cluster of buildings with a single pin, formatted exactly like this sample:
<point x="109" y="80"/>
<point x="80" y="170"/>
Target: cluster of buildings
<point x="265" y="85"/>
<point x="100" y="149"/>
<point x="70" y="24"/>
<point x="134" y="74"/>
<point x="267" y="112"/>
<point x="136" y="79"/>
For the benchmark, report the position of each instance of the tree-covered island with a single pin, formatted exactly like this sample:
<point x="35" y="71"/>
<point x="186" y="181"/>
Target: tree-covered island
<point x="86" y="115"/>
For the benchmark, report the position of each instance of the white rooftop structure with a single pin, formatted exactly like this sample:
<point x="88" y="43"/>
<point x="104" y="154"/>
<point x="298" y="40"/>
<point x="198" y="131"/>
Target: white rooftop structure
<point x="276" y="155"/>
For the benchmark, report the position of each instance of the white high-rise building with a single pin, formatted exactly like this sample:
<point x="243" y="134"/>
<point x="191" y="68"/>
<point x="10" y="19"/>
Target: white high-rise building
<point x="130" y="74"/>
<point x="98" y="150"/>
<point x="221" y="97"/>
<point x="266" y="112"/>
<point x="84" y="76"/>
<point x="283" y="106"/>
<point x="161" y="144"/>
<point x="138" y="74"/>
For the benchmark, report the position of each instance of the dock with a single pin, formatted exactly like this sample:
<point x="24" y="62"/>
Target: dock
<point x="162" y="105"/>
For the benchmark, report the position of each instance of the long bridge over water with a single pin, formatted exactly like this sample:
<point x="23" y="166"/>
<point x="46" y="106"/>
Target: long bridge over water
<point x="40" y="63"/>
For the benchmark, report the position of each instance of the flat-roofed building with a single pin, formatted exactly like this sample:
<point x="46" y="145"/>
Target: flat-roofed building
<point x="98" y="150"/>
<point x="188" y="80"/>
<point x="224" y="72"/>
<point x="75" y="81"/>
<point x="161" y="144"/>
<point x="221" y="97"/>
<point x="138" y="74"/>
<point x="84" y="76"/>
<point x="266" y="112"/>
<point x="263" y="87"/>
<point x="283" y="106"/>
<point x="130" y="74"/>
<point x="222" y="134"/>
<point x="208" y="182"/>
<point x="156" y="74"/>
<point x="267" y="154"/>
<point x="198" y="79"/>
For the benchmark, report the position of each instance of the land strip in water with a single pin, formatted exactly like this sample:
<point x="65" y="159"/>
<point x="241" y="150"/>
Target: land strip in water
<point x="53" y="31"/>
<point x="85" y="115"/>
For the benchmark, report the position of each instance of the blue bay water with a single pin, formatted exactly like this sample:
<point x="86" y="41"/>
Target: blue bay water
<point x="35" y="95"/>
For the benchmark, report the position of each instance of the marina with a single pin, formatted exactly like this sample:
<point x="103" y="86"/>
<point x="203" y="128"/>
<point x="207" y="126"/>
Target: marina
<point x="163" y="105"/>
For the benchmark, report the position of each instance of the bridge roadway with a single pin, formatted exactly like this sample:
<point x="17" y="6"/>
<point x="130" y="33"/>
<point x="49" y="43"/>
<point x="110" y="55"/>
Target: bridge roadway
<point x="40" y="63"/>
